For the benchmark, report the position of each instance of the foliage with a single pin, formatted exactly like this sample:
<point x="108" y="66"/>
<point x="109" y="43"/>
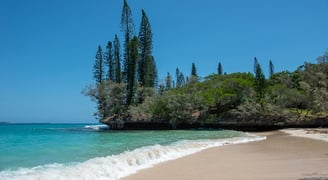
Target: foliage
<point x="117" y="61"/>
<point x="260" y="82"/>
<point x="131" y="70"/>
<point x="180" y="82"/>
<point x="147" y="73"/>
<point x="220" y="69"/>
<point x="127" y="27"/>
<point x="109" y="61"/>
<point x="271" y="68"/>
<point x="323" y="58"/>
<point x="109" y="97"/>
<point x="98" y="67"/>
<point x="193" y="70"/>
<point x="132" y="94"/>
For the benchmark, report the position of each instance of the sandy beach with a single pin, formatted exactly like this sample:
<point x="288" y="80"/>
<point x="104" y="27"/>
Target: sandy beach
<point x="281" y="156"/>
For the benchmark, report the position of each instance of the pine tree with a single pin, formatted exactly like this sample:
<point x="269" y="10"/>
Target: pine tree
<point x="220" y="69"/>
<point x="256" y="63"/>
<point x="260" y="83"/>
<point x="146" y="67"/>
<point x="193" y="70"/>
<point x="117" y="61"/>
<point x="127" y="27"/>
<point x="109" y="61"/>
<point x="180" y="79"/>
<point x="151" y="70"/>
<point x="168" y="81"/>
<point x="98" y="68"/>
<point x="131" y="70"/>
<point x="271" y="68"/>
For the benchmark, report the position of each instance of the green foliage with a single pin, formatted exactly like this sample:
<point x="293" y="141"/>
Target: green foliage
<point x="117" y="61"/>
<point x="98" y="67"/>
<point x="127" y="27"/>
<point x="323" y="58"/>
<point x="131" y="95"/>
<point x="109" y="61"/>
<point x="180" y="79"/>
<point x="220" y="69"/>
<point x="193" y="70"/>
<point x="131" y="70"/>
<point x="168" y="81"/>
<point x="109" y="97"/>
<point x="271" y="68"/>
<point x="226" y="92"/>
<point x="260" y="82"/>
<point x="147" y="73"/>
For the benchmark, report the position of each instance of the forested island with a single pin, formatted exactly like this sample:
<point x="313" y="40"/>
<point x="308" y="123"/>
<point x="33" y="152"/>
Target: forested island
<point x="128" y="95"/>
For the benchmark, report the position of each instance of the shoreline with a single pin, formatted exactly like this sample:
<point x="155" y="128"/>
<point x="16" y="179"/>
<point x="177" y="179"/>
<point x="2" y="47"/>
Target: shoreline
<point x="281" y="156"/>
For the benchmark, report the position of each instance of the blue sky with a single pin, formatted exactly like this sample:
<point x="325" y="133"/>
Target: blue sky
<point x="47" y="48"/>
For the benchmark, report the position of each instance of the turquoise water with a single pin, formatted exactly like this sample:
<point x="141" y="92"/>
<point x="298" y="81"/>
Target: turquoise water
<point x="55" y="147"/>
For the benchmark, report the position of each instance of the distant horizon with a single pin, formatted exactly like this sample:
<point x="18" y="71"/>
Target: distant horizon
<point x="3" y="122"/>
<point x="48" y="48"/>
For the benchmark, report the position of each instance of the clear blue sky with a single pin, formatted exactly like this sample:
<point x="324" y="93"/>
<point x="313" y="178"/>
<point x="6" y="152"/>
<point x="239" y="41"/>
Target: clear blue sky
<point x="47" y="48"/>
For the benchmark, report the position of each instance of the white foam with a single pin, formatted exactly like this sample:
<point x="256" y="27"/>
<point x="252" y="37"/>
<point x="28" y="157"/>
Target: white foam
<point x="96" y="127"/>
<point x="121" y="165"/>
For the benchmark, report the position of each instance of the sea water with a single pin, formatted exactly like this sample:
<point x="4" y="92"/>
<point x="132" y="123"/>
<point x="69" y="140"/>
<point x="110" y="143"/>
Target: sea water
<point x="81" y="151"/>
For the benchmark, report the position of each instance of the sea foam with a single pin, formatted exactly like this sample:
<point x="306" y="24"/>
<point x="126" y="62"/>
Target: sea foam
<point x="121" y="165"/>
<point x="96" y="127"/>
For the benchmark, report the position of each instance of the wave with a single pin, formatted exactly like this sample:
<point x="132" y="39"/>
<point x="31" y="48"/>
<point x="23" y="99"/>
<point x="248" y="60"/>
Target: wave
<point x="121" y="165"/>
<point x="96" y="127"/>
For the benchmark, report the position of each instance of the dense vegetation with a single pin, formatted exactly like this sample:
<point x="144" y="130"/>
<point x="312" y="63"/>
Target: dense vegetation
<point x="132" y="94"/>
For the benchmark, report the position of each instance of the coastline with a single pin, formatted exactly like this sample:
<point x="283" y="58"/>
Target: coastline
<point x="281" y="156"/>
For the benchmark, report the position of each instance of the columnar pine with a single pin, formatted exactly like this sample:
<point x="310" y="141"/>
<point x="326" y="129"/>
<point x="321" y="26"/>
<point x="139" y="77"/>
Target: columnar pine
<point x="146" y="76"/>
<point x="168" y="81"/>
<point x="131" y="67"/>
<point x="151" y="73"/>
<point x="193" y="70"/>
<point x="220" y="69"/>
<point x="117" y="60"/>
<point x="180" y="79"/>
<point x="110" y="61"/>
<point x="271" y="68"/>
<point x="260" y="84"/>
<point x="98" y="67"/>
<point x="256" y="63"/>
<point x="127" y="27"/>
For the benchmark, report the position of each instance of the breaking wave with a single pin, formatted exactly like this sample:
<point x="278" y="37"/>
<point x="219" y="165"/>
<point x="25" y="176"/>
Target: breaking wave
<point x="123" y="164"/>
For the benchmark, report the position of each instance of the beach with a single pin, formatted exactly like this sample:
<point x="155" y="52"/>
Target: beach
<point x="280" y="156"/>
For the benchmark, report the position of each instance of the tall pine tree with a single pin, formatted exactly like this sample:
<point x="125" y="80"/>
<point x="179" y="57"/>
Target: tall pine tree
<point x="117" y="60"/>
<point x="180" y="79"/>
<point x="168" y="81"/>
<point x="260" y="83"/>
<point x="256" y="63"/>
<point x="220" y="69"/>
<point x="131" y="67"/>
<point x="127" y="27"/>
<point x="193" y="70"/>
<point x="146" y="65"/>
<point x="98" y="67"/>
<point x="151" y="70"/>
<point x="109" y="61"/>
<point x="271" y="68"/>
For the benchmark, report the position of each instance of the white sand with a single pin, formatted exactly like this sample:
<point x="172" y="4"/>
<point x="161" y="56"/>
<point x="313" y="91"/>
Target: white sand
<point x="281" y="156"/>
<point x="312" y="133"/>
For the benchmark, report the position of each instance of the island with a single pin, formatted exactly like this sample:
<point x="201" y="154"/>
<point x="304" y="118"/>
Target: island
<point x="129" y="95"/>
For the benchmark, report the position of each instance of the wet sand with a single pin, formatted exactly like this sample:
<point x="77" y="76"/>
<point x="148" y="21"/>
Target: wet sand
<point x="281" y="156"/>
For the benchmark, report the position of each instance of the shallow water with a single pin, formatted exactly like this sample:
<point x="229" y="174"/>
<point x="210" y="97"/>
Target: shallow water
<point x="81" y="151"/>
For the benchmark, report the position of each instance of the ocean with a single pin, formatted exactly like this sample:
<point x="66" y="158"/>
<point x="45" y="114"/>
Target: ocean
<point x="90" y="151"/>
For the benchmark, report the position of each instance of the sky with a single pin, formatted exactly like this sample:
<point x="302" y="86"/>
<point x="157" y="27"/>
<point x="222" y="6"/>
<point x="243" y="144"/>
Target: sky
<point x="47" y="48"/>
